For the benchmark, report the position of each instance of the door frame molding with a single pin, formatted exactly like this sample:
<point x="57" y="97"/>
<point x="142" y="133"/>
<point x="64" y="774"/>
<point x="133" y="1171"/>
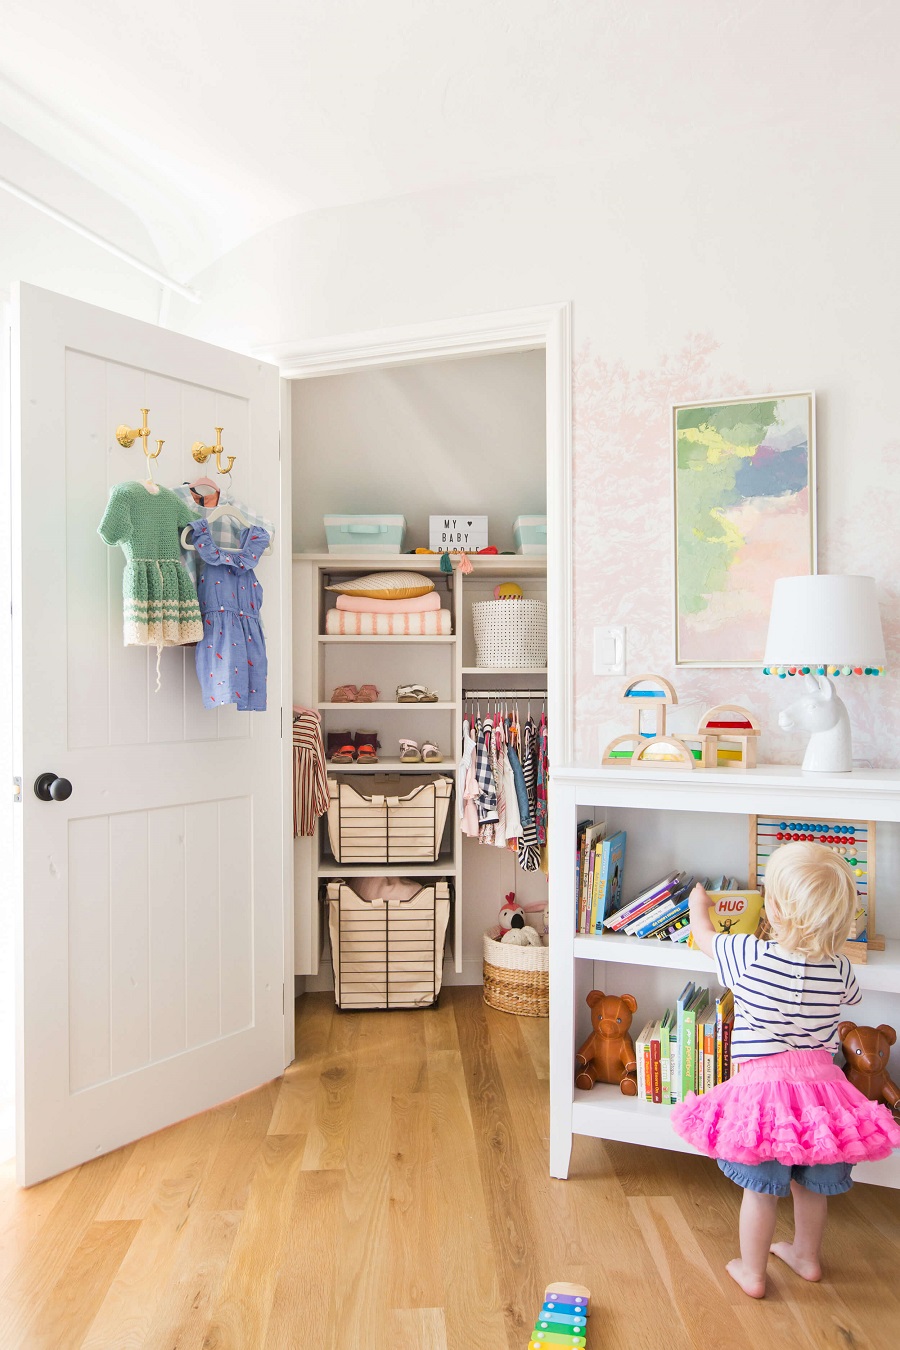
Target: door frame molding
<point x="547" y="327"/>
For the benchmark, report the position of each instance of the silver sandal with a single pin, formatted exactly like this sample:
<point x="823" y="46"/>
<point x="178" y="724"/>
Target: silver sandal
<point x="409" y="752"/>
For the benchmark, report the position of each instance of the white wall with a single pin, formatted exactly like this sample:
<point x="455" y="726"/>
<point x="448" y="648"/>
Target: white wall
<point x="465" y="435"/>
<point x="35" y="248"/>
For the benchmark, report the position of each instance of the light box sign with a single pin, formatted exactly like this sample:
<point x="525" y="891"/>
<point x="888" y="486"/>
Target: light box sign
<point x="455" y="533"/>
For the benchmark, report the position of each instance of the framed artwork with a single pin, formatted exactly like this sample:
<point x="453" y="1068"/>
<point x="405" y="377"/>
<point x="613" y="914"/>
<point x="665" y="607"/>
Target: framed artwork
<point x="745" y="515"/>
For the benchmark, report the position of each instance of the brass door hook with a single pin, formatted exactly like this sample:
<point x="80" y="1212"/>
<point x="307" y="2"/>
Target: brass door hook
<point x="201" y="453"/>
<point x="126" y="436"/>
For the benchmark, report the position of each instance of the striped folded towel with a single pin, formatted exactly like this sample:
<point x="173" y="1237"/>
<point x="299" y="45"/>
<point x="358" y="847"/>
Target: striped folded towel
<point x="364" y="604"/>
<point x="432" y="623"/>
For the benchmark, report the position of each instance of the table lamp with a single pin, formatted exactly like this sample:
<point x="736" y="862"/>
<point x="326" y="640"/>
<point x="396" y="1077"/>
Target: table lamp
<point x="820" y="628"/>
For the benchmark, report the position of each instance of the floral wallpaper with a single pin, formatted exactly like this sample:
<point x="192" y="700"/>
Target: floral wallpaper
<point x="624" y="555"/>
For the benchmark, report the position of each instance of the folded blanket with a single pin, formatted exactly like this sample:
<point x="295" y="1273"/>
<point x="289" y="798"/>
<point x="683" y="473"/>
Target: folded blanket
<point x="364" y="604"/>
<point x="433" y="623"/>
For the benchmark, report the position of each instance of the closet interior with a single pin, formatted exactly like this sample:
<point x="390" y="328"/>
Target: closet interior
<point x="424" y="439"/>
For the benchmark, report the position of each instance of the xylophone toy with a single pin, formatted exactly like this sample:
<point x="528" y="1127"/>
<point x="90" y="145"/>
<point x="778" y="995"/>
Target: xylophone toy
<point x="563" y="1318"/>
<point x="852" y="840"/>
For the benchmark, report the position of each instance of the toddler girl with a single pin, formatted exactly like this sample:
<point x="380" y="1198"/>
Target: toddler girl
<point x="789" y="1121"/>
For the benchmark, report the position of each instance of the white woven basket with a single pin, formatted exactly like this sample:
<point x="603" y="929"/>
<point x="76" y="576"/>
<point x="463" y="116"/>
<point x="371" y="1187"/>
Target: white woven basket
<point x="510" y="634"/>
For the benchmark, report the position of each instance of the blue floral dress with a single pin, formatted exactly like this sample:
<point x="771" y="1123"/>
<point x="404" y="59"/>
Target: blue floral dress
<point x="231" y="655"/>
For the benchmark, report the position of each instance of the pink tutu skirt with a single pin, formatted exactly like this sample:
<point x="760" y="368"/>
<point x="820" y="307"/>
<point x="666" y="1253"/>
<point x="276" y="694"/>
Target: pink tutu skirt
<point x="796" y="1107"/>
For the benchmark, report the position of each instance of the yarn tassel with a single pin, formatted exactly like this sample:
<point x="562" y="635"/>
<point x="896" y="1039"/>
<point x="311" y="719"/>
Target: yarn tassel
<point x="446" y="564"/>
<point x="158" y="670"/>
<point x="465" y="563"/>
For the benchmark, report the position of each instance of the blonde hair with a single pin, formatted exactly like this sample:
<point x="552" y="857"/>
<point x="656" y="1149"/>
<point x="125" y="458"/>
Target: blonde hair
<point x="815" y="899"/>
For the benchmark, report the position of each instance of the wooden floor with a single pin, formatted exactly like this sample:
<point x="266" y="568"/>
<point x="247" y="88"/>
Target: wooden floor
<point x="391" y="1193"/>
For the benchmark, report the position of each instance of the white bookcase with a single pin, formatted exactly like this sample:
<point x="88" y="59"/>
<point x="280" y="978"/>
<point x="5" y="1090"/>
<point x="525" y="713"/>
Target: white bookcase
<point x="699" y="821"/>
<point x="447" y="664"/>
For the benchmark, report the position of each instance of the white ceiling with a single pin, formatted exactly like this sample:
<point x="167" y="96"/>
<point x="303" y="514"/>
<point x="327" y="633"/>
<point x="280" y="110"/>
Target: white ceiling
<point x="216" y="118"/>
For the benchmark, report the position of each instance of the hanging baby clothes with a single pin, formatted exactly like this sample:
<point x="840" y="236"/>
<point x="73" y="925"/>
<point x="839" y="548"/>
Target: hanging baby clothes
<point x="310" y="776"/>
<point x="529" y="848"/>
<point x="231" y="655"/>
<point x="462" y="771"/>
<point x="484" y="776"/>
<point x="160" y="603"/>
<point x="541" y="786"/>
<point x="225" y="530"/>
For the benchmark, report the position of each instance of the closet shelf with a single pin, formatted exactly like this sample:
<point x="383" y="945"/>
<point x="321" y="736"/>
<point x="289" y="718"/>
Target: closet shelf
<point x="444" y="867"/>
<point x="393" y="766"/>
<point x="499" y="670"/>
<point x="384" y="707"/>
<point x="390" y="641"/>
<point x="424" y="562"/>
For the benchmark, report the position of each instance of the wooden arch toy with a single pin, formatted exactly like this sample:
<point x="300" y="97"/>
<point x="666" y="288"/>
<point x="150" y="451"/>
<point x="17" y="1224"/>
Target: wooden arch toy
<point x="650" y="692"/>
<point x="616" y="752"/>
<point x="668" y="752"/>
<point x="732" y="724"/>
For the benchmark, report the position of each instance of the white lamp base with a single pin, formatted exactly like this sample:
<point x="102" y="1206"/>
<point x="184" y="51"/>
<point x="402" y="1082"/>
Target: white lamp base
<point x="820" y="711"/>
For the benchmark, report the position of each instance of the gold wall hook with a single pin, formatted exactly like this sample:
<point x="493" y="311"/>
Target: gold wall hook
<point x="126" y="436"/>
<point x="201" y="453"/>
<point x="157" y="452"/>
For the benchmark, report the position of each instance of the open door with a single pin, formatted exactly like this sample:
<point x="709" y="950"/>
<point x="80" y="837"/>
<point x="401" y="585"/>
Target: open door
<point x="151" y="937"/>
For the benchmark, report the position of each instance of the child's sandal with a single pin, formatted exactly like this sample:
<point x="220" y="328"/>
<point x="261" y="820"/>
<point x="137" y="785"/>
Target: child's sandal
<point x="367" y="694"/>
<point x="345" y="755"/>
<point x="365" y="754"/>
<point x="345" y="693"/>
<point x="431" y="754"/>
<point x="409" y="752"/>
<point x="415" y="693"/>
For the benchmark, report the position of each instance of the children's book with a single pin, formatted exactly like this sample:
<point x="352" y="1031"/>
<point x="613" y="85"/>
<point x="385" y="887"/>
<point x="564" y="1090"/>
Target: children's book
<point x="734" y="911"/>
<point x="674" y="1065"/>
<point x="646" y="900"/>
<point x="612" y="870"/>
<point x="642" y="1055"/>
<point x="582" y="828"/>
<point x="656" y="1063"/>
<point x="689" y="1078"/>
<point x="727" y="1029"/>
<point x="665" y="1056"/>
<point x="681" y="1003"/>
<point x="588" y="833"/>
<point x="724" y="1011"/>
<point x="709" y="1048"/>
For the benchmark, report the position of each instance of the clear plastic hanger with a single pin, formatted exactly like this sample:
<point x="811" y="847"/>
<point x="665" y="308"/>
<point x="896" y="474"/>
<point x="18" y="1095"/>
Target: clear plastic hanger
<point x="217" y="513"/>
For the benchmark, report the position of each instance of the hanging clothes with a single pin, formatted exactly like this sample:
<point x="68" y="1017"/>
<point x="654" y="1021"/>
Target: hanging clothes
<point x="231" y="655"/>
<point x="543" y="770"/>
<point x="484" y="775"/>
<point x="529" y="848"/>
<point x="310" y="775"/>
<point x="159" y="601"/>
<point x="225" y="530"/>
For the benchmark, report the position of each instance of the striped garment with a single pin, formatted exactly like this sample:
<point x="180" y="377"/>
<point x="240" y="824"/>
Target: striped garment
<point x="310" y="777"/>
<point x="781" y="1000"/>
<point x="433" y="623"/>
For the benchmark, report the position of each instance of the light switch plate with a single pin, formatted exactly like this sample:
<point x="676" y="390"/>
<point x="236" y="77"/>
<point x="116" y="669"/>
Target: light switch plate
<point x="609" y="650"/>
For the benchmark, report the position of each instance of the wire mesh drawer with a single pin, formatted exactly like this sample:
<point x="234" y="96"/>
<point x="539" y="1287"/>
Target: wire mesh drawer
<point x="387" y="954"/>
<point x="388" y="824"/>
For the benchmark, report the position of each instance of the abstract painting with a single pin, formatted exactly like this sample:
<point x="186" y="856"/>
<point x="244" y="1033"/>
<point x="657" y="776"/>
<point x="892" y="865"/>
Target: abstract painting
<point x="744" y="516"/>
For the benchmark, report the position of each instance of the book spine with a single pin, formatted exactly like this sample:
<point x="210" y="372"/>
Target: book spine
<point x="665" y="1060"/>
<point x="656" y="1070"/>
<point x="648" y="1073"/>
<point x="726" y="1048"/>
<point x="598" y="905"/>
<point x="639" y="1056"/>
<point x="709" y="1059"/>
<point x="720" y="1024"/>
<point x="591" y="890"/>
<point x="674" y="1069"/>
<point x="688" y="1053"/>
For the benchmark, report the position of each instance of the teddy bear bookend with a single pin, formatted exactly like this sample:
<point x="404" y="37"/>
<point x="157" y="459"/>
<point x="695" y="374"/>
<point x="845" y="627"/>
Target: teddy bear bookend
<point x="607" y="1055"/>
<point x="866" y="1051"/>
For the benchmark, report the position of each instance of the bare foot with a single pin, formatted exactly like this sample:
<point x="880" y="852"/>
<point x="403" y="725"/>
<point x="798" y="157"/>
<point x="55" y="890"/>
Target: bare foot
<point x="750" y="1282"/>
<point x="807" y="1269"/>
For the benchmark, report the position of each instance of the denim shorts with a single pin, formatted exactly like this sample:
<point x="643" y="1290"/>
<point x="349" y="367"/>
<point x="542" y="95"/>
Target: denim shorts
<point x="774" y="1178"/>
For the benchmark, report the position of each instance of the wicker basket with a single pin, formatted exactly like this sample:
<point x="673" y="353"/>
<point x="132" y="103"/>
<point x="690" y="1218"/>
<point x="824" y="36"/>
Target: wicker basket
<point x="510" y="634"/>
<point x="516" y="979"/>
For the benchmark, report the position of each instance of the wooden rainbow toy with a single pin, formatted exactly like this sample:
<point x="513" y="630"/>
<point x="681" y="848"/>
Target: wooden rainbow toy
<point x="726" y="725"/>
<point x="563" y="1317"/>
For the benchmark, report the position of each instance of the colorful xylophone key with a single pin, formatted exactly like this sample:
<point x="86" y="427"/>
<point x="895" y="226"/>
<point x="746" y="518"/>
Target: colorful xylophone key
<point x="552" y="1338"/>
<point x="563" y="1318"/>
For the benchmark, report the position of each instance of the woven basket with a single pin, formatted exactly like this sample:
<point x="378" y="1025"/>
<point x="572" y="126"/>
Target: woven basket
<point x="516" y="979"/>
<point x="510" y="634"/>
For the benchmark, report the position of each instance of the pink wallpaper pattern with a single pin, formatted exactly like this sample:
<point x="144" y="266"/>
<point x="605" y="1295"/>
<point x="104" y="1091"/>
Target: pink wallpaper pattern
<point x="624" y="561"/>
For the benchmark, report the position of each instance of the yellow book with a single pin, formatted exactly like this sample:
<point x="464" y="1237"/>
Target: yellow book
<point x="734" y="912"/>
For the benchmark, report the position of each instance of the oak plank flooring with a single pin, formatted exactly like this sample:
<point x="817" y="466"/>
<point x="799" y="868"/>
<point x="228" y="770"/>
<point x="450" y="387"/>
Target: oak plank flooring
<point x="391" y="1190"/>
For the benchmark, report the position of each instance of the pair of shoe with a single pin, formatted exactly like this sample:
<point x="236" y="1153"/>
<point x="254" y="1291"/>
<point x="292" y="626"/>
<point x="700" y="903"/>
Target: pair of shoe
<point x="411" y="754"/>
<point x="415" y="693"/>
<point x="348" y="693"/>
<point x="360" y="747"/>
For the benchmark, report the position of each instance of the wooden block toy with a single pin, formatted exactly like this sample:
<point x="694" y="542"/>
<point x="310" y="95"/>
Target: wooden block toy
<point x="723" y="727"/>
<point x="563" y="1318"/>
<point x="668" y="752"/>
<point x="854" y="841"/>
<point x="655" y="694"/>
<point x="650" y="692"/>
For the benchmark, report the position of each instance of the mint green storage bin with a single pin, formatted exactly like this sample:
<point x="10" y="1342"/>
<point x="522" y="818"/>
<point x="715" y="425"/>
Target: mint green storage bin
<point x="530" y="534"/>
<point x="365" y="534"/>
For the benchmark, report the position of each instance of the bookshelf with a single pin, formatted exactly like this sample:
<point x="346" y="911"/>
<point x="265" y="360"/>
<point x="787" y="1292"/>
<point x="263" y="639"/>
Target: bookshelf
<point x="705" y="813"/>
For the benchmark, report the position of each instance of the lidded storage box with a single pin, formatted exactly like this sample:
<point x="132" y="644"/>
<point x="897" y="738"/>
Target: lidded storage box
<point x="365" y="534"/>
<point x="386" y="820"/>
<point x="387" y="953"/>
<point x="530" y="534"/>
<point x="510" y="634"/>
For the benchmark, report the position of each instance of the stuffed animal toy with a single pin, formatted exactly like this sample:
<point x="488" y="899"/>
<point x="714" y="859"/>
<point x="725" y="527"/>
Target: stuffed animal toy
<point x="866" y="1050"/>
<point x="522" y="937"/>
<point x="511" y="915"/>
<point x="607" y="1055"/>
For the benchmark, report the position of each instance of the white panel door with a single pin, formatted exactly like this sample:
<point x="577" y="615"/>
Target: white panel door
<point x="152" y="932"/>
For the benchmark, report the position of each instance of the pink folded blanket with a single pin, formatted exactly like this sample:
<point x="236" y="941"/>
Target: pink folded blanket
<point x="364" y="604"/>
<point x="433" y="623"/>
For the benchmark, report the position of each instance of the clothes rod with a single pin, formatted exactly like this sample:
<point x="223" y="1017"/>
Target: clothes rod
<point x="504" y="693"/>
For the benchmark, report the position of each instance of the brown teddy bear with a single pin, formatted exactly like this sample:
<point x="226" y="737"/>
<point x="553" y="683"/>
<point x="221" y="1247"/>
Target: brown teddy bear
<point x="607" y="1055"/>
<point x="866" y="1050"/>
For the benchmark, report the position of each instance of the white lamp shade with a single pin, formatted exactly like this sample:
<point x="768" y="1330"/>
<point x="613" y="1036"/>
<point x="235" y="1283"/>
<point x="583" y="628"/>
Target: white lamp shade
<point x="825" y="620"/>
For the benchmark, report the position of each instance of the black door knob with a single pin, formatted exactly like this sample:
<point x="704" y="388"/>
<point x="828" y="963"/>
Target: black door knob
<point x="50" y="788"/>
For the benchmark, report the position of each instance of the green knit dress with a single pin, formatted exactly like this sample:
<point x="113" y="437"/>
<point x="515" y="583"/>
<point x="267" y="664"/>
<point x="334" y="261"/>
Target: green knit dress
<point x="160" y="603"/>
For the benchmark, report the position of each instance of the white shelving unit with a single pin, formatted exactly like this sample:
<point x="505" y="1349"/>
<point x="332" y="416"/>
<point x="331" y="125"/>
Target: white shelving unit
<point x="709" y="805"/>
<point x="446" y="664"/>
